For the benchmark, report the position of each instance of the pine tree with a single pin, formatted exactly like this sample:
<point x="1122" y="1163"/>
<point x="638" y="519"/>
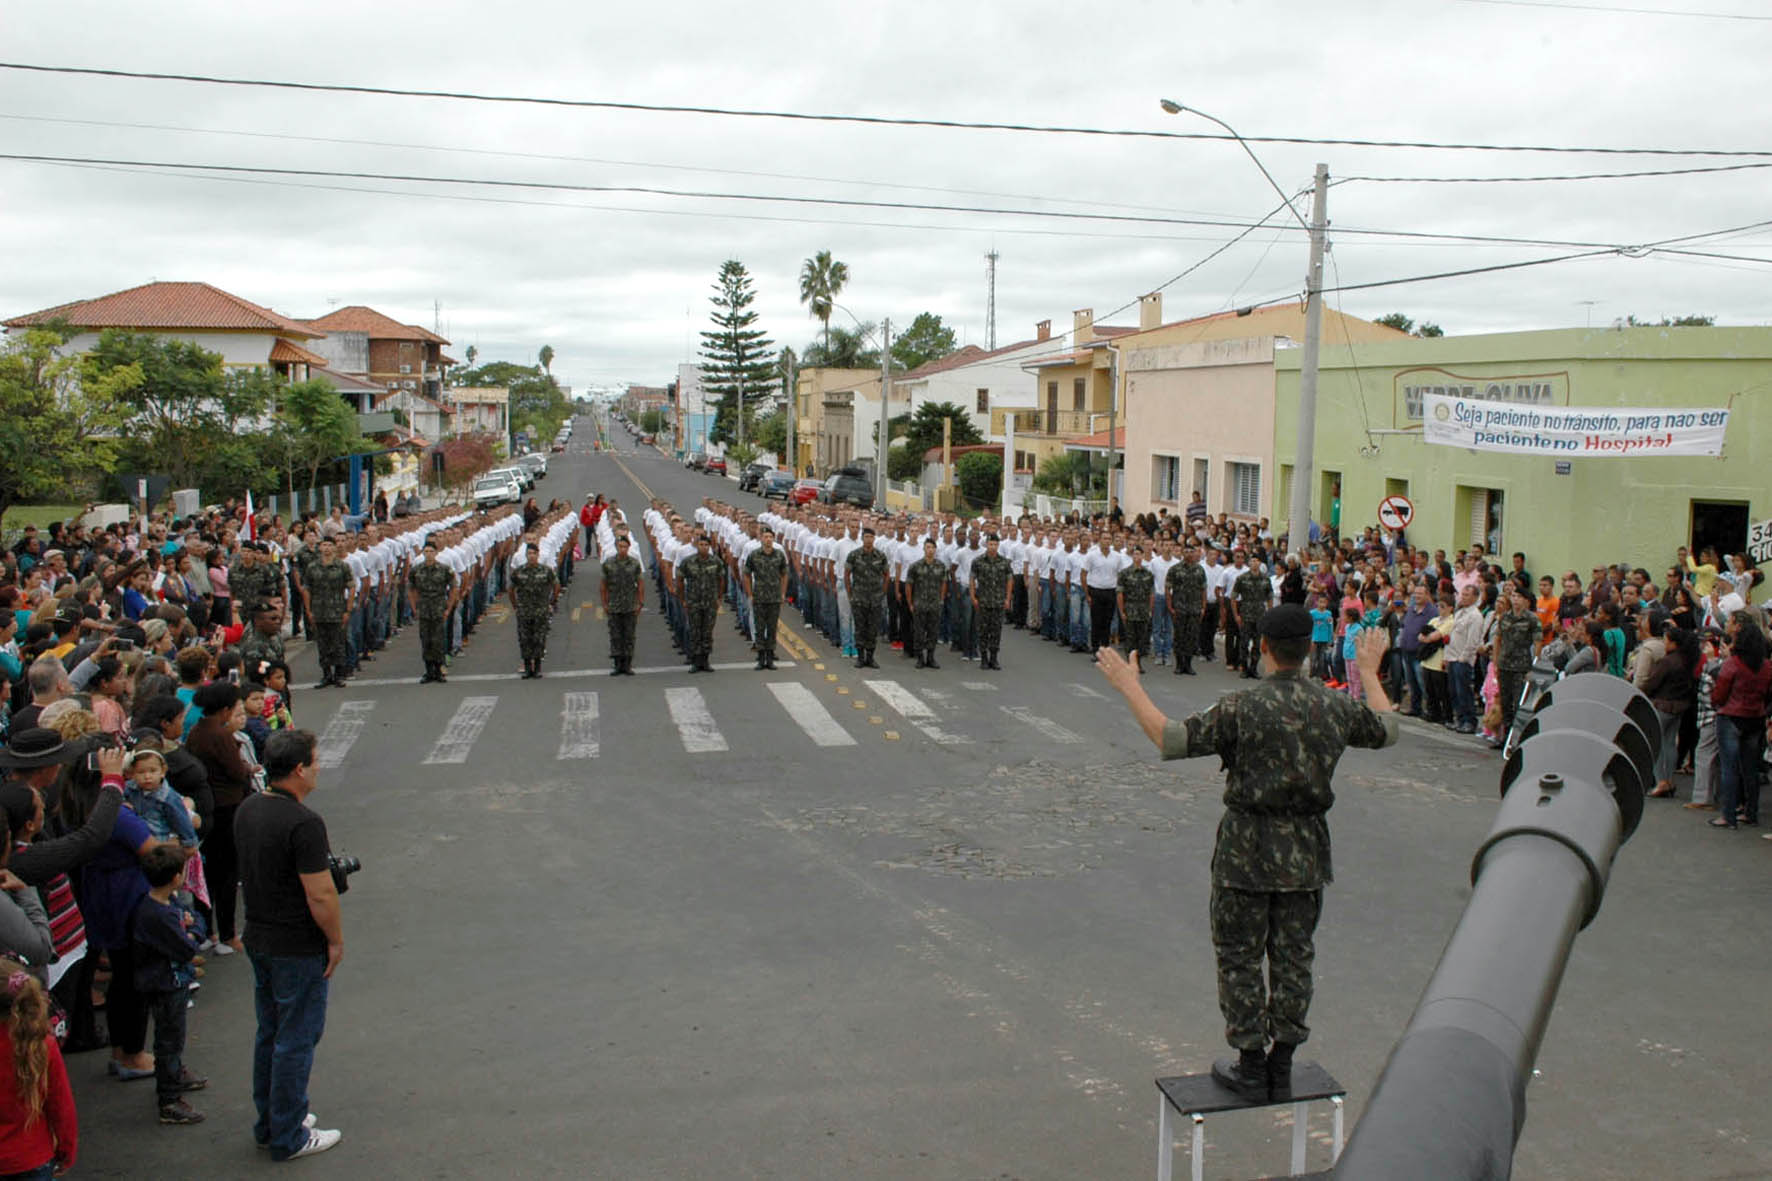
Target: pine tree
<point x="735" y="353"/>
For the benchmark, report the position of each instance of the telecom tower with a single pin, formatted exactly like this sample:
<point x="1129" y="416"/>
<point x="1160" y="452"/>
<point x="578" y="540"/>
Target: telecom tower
<point x="990" y="303"/>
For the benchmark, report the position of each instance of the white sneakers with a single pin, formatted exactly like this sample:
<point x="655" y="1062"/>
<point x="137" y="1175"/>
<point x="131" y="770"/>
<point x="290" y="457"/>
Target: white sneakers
<point x="319" y="1140"/>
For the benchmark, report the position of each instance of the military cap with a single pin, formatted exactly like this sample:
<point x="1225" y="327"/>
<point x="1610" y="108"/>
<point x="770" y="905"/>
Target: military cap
<point x="1288" y="621"/>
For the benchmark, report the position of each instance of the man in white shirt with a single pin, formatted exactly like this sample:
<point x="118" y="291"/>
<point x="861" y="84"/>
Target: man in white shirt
<point x="1460" y="657"/>
<point x="1162" y="625"/>
<point x="1101" y="575"/>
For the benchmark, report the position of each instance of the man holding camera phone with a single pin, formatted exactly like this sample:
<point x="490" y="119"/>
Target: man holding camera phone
<point x="294" y="938"/>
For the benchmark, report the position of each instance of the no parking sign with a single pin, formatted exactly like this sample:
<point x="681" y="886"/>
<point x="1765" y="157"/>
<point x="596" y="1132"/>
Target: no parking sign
<point x="1395" y="512"/>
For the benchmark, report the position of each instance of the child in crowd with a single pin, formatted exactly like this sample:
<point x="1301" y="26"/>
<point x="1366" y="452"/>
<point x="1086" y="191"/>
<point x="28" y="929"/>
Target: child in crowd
<point x="279" y="701"/>
<point x="39" y="1131"/>
<point x="170" y="817"/>
<point x="1351" y="627"/>
<point x="163" y="944"/>
<point x="1322" y="636"/>
<point x="258" y="728"/>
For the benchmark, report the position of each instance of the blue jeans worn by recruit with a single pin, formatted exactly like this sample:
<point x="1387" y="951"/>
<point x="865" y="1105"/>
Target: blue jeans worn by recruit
<point x="1162" y="628"/>
<point x="290" y="995"/>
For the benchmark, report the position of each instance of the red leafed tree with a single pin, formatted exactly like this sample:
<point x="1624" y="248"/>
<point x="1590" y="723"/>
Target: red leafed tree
<point x="466" y="458"/>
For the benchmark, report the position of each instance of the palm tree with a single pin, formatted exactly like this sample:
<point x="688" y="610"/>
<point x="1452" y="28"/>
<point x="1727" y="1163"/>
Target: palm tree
<point x="547" y="359"/>
<point x="821" y="280"/>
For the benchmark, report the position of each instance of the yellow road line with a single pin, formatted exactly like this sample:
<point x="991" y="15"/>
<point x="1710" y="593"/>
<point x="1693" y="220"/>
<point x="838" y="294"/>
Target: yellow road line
<point x="638" y="483"/>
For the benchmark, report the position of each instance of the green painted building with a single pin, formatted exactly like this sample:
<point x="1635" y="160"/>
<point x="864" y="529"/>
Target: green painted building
<point x="1563" y="514"/>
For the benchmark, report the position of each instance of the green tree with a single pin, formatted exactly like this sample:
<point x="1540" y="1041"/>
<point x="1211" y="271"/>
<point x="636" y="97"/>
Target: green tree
<point x="843" y="348"/>
<point x="771" y="433"/>
<point x="980" y="474"/>
<point x="926" y="340"/>
<point x="1069" y="473"/>
<point x="902" y="463"/>
<point x="1403" y="323"/>
<point x="185" y="403"/>
<point x="1673" y="322"/>
<point x="57" y="416"/>
<point x="313" y="426"/>
<point x="742" y="455"/>
<point x="822" y="279"/>
<point x="736" y="355"/>
<point x="473" y="354"/>
<point x="653" y="421"/>
<point x="924" y="429"/>
<point x="546" y="357"/>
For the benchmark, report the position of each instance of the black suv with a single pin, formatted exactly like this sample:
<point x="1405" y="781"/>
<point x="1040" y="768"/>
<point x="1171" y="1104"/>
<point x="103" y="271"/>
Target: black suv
<point x="849" y="485"/>
<point x="752" y="476"/>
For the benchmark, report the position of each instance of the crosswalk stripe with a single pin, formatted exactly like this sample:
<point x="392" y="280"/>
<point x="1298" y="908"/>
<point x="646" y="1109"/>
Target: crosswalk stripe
<point x="689" y="710"/>
<point x="1046" y="726"/>
<point x="578" y="727"/>
<point x="912" y="709"/>
<point x="1085" y="691"/>
<point x="980" y="686"/>
<point x="463" y="730"/>
<point x="341" y="732"/>
<point x="810" y="714"/>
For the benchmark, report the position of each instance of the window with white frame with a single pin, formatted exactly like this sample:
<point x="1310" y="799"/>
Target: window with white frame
<point x="1245" y="489"/>
<point x="1165" y="478"/>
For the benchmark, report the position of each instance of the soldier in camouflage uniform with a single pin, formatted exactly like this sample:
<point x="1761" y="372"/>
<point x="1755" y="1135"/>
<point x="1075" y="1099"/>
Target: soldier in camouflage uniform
<point x="263" y="640"/>
<point x="1135" y="592"/>
<point x="1186" y="588"/>
<point x="765" y="580"/>
<point x="624" y="593"/>
<point x="534" y="589"/>
<point x="329" y="594"/>
<point x="1517" y="637"/>
<point x="1279" y="742"/>
<point x="993" y="578"/>
<point x="1250" y="596"/>
<point x="927" y="580"/>
<point x="864" y="577"/>
<point x="701" y="581"/>
<point x="299" y="564"/>
<point x="431" y="589"/>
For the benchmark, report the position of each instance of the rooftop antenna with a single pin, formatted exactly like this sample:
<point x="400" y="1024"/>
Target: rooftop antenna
<point x="990" y="302"/>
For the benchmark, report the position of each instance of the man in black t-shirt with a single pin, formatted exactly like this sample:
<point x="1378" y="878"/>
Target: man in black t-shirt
<point x="294" y="938"/>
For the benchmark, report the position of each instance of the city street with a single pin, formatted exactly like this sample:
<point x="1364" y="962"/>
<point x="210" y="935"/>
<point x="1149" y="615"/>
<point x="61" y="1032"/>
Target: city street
<point x="822" y="922"/>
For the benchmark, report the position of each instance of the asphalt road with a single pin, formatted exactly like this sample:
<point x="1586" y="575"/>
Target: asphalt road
<point x="820" y="923"/>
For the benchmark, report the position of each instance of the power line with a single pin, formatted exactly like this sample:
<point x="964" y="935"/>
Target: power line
<point x="715" y="195"/>
<point x="1495" y="180"/>
<point x="1724" y="16"/>
<point x="567" y="159"/>
<point x="873" y="120"/>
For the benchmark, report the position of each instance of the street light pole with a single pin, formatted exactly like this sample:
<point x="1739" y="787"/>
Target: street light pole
<point x="883" y="443"/>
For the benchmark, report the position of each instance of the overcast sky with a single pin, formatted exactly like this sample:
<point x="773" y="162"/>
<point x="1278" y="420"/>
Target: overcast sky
<point x="618" y="284"/>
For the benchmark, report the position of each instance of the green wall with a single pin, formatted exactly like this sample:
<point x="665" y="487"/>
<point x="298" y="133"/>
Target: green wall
<point x="1604" y="510"/>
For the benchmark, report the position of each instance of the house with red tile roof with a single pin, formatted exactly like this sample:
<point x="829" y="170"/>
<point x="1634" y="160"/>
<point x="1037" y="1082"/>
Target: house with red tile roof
<point x="380" y="349"/>
<point x="245" y="334"/>
<point x="988" y="384"/>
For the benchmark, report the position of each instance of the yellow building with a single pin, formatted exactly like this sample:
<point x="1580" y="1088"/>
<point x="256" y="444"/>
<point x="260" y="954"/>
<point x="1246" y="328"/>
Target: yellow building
<point x="812" y="388"/>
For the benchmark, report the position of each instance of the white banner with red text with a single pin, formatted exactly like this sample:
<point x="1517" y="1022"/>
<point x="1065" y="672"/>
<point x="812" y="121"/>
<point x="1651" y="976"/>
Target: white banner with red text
<point x="1571" y="432"/>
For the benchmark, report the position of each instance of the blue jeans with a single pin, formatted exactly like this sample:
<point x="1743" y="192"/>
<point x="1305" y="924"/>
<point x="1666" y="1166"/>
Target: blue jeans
<point x="43" y="1172"/>
<point x="290" y="994"/>
<point x="1460" y="675"/>
<point x="1162" y="628"/>
<point x="1414" y="682"/>
<point x="1079" y="618"/>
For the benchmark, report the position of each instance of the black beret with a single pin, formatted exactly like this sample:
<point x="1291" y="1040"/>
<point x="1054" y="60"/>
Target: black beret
<point x="1288" y="621"/>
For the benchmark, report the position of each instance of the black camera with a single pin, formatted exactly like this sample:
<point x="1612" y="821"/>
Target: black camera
<point x="342" y="868"/>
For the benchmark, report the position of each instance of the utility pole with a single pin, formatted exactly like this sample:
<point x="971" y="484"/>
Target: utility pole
<point x="1113" y="413"/>
<point x="793" y="392"/>
<point x="882" y="445"/>
<point x="1298" y="513"/>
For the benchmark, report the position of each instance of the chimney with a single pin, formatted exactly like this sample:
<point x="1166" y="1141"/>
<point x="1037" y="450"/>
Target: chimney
<point x="1150" y="311"/>
<point x="1082" y="326"/>
<point x="1043" y="330"/>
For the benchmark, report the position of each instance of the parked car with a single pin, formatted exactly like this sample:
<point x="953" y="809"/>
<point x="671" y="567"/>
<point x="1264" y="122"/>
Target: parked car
<point x="494" y="489"/>
<point x="557" y="448"/>
<point x="695" y="460"/>
<point x="751" y="478"/>
<point x="805" y="492"/>
<point x="536" y="462"/>
<point x="716" y="466"/>
<point x="648" y="440"/>
<point x="776" y="483"/>
<point x="850" y="485"/>
<point x="525" y="481"/>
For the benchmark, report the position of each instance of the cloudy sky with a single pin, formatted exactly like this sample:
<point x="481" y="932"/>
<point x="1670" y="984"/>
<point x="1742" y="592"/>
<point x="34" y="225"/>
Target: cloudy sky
<point x="618" y="283"/>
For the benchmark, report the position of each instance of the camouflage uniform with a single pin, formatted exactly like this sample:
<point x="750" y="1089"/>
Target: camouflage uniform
<point x="765" y="568"/>
<point x="867" y="591"/>
<point x="1136" y="585"/>
<point x="1186" y="590"/>
<point x="1514" y="635"/>
<point x="433" y="582"/>
<point x="990" y="582"/>
<point x="251" y="586"/>
<point x="622" y="579"/>
<point x="255" y="648"/>
<point x="534" y="586"/>
<point x="328" y="589"/>
<point x="1252" y="591"/>
<point x="1279" y="742"/>
<point x="300" y="564"/>
<point x="701" y="577"/>
<point x="926" y="577"/>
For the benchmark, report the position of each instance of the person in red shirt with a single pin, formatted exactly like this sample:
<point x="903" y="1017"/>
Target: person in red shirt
<point x="39" y="1131"/>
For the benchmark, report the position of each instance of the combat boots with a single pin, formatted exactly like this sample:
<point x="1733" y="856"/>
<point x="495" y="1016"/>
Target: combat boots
<point x="762" y="660"/>
<point x="929" y="659"/>
<point x="1279" y="1070"/>
<point x="871" y="662"/>
<point x="1245" y="1075"/>
<point x="770" y="655"/>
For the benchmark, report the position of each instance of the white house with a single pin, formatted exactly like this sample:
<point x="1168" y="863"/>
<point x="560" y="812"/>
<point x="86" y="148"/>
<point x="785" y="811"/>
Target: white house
<point x="984" y="383"/>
